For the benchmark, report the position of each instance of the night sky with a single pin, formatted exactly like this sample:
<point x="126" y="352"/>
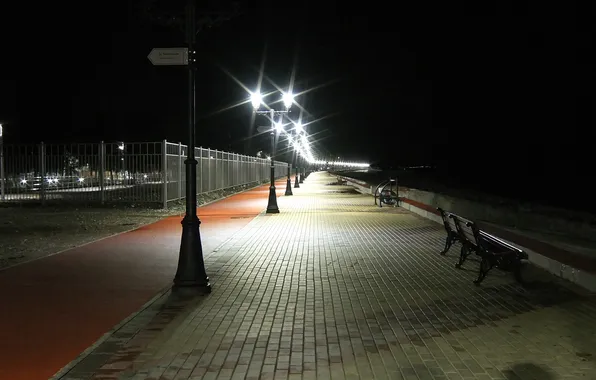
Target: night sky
<point x="505" y="88"/>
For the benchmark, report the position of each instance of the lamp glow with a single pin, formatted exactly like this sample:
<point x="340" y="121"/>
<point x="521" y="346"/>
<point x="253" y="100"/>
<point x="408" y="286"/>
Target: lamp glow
<point x="288" y="99"/>
<point x="299" y="128"/>
<point x="256" y="99"/>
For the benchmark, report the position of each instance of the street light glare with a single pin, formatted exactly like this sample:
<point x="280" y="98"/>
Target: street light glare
<point x="299" y="128"/>
<point x="279" y="127"/>
<point x="305" y="143"/>
<point x="256" y="99"/>
<point x="288" y="99"/>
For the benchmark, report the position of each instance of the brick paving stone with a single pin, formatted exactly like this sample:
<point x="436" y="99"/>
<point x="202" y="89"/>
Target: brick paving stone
<point x="335" y="288"/>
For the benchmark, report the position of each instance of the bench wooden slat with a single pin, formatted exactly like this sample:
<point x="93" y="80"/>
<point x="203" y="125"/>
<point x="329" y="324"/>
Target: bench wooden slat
<point x="469" y="235"/>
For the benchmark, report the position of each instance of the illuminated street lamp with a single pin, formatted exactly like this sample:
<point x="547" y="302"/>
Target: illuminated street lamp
<point x="299" y="129"/>
<point x="276" y="128"/>
<point x="279" y="127"/>
<point x="289" y="180"/>
<point x="288" y="99"/>
<point x="305" y="143"/>
<point x="122" y="155"/>
<point x="256" y="99"/>
<point x="300" y="137"/>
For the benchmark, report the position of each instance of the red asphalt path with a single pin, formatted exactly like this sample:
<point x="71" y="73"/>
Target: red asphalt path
<point x="53" y="308"/>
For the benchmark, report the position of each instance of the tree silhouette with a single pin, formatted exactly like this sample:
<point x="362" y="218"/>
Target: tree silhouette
<point x="71" y="164"/>
<point x="170" y="13"/>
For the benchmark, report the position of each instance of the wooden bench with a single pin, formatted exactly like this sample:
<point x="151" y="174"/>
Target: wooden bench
<point x="450" y="228"/>
<point x="494" y="252"/>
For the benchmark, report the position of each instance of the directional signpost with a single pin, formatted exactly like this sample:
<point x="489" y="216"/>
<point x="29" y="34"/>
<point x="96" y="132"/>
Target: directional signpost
<point x="169" y="56"/>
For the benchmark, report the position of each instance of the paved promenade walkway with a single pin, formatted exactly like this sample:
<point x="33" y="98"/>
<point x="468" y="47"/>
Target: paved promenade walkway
<point x="335" y="288"/>
<point x="53" y="308"/>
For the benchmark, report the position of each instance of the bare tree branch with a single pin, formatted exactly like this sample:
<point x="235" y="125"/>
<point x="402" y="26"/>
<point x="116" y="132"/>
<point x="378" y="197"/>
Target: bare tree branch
<point x="170" y="13"/>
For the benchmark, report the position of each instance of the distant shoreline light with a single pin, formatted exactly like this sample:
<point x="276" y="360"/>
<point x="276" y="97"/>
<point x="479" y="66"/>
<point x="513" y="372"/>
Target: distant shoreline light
<point x="341" y="163"/>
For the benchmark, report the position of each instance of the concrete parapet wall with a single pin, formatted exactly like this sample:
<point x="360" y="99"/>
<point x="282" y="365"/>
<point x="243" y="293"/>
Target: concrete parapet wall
<point x="361" y="186"/>
<point x="525" y="220"/>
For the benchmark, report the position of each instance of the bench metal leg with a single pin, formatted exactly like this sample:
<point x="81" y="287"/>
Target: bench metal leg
<point x="463" y="255"/>
<point x="486" y="264"/>
<point x="511" y="263"/>
<point x="448" y="243"/>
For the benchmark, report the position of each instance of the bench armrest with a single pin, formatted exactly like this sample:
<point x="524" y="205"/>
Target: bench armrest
<point x="495" y="240"/>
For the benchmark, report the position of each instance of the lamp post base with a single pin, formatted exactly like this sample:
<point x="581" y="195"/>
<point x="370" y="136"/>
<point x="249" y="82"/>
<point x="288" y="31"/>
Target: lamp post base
<point x="289" y="187"/>
<point x="272" y="204"/>
<point x="191" y="268"/>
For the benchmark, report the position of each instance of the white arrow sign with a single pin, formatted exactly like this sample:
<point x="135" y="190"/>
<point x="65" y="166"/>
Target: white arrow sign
<point x="168" y="56"/>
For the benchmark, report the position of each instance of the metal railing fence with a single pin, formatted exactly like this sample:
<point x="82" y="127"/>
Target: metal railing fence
<point x="138" y="172"/>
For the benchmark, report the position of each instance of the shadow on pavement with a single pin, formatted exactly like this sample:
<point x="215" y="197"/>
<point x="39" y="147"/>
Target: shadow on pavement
<point x="120" y="352"/>
<point x="529" y="371"/>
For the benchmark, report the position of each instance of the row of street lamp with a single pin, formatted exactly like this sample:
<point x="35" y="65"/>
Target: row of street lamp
<point x="191" y="266"/>
<point x="277" y="127"/>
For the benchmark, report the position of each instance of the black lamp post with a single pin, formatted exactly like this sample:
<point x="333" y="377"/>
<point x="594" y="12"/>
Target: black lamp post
<point x="256" y="100"/>
<point x="299" y="159"/>
<point x="272" y="203"/>
<point x="297" y="179"/>
<point x="191" y="266"/>
<point x="289" y="181"/>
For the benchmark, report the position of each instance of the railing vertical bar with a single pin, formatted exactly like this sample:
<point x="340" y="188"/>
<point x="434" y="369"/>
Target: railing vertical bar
<point x="102" y="172"/>
<point x="165" y="174"/>
<point x="42" y="172"/>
